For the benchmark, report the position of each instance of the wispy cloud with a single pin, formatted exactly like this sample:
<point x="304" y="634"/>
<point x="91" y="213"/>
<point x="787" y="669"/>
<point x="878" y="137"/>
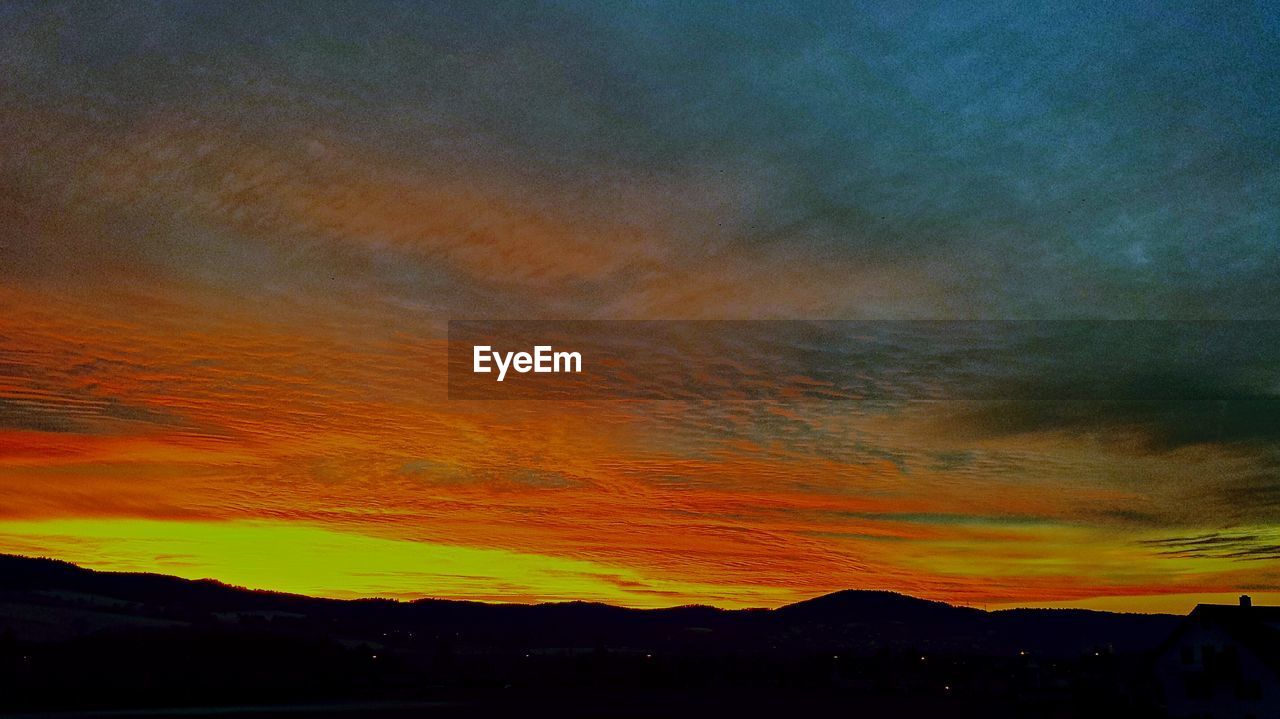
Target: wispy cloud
<point x="1219" y="545"/>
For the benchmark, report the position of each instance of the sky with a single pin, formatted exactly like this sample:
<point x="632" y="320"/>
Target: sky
<point x="232" y="236"/>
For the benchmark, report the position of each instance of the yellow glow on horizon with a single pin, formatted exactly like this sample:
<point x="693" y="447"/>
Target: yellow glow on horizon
<point x="314" y="561"/>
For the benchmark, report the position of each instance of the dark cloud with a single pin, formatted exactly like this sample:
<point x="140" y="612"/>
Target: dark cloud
<point x="1217" y="545"/>
<point x="1099" y="160"/>
<point x="1152" y="425"/>
<point x="445" y="474"/>
<point x="86" y="414"/>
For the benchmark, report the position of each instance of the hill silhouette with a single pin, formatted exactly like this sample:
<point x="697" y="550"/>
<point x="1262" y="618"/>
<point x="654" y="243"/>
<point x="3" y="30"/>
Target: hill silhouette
<point x="870" y="618"/>
<point x="106" y="639"/>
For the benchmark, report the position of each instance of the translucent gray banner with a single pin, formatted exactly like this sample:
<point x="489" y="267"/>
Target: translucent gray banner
<point x="864" y="360"/>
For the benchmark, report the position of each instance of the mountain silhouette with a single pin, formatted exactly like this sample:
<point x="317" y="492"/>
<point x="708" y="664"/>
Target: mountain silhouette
<point x="107" y="601"/>
<point x="74" y="636"/>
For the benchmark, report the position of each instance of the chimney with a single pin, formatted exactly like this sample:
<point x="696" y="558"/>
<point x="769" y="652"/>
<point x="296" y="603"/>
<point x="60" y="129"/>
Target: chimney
<point x="1246" y="600"/>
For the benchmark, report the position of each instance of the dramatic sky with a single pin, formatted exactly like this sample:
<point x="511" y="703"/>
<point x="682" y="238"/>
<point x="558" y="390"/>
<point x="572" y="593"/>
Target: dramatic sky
<point x="231" y="236"/>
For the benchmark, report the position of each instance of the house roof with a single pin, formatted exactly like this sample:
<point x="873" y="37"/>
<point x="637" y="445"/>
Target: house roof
<point x="1236" y="612"/>
<point x="1257" y="628"/>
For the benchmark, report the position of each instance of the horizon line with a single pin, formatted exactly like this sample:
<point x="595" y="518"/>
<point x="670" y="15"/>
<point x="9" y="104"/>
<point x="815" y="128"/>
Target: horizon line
<point x="987" y="607"/>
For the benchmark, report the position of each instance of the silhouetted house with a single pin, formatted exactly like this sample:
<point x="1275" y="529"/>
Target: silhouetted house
<point x="1223" y="662"/>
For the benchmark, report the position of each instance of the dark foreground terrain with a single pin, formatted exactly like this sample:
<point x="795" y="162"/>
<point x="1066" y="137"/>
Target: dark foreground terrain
<point x="745" y="703"/>
<point x="78" y="642"/>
